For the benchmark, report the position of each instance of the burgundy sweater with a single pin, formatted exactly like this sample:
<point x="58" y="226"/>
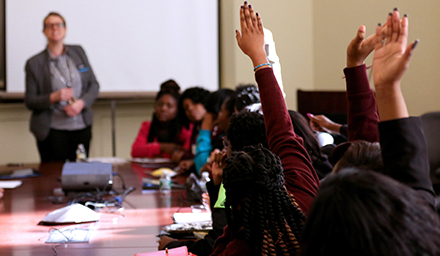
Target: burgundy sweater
<point x="299" y="176"/>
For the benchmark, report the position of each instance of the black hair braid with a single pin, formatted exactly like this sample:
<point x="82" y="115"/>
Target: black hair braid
<point x="269" y="219"/>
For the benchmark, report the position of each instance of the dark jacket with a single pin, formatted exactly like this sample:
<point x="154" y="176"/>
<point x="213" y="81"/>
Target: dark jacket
<point x="39" y="88"/>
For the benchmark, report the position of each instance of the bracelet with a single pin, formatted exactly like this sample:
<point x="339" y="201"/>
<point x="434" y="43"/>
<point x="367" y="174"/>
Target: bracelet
<point x="264" y="64"/>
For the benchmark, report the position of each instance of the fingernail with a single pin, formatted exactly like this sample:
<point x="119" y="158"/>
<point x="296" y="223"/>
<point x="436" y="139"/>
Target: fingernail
<point x="250" y="6"/>
<point x="309" y="115"/>
<point x="390" y="14"/>
<point x="415" y="43"/>
<point x="242" y="7"/>
<point x="406" y="16"/>
<point x="379" y="24"/>
<point x="395" y="9"/>
<point x="245" y="2"/>
<point x="258" y="14"/>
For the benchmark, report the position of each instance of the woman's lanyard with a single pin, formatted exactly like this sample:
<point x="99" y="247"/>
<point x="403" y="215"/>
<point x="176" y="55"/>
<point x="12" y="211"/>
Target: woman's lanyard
<point x="58" y="72"/>
<point x="63" y="79"/>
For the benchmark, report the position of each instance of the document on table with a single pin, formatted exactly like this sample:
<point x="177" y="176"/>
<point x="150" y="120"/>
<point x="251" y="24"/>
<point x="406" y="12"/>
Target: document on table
<point x="10" y="184"/>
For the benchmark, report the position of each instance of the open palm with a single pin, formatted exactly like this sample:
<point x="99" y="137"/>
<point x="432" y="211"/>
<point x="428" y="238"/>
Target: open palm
<point x="392" y="58"/>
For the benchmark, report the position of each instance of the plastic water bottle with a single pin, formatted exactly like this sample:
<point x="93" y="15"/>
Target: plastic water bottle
<point x="81" y="153"/>
<point x="203" y="180"/>
<point x="165" y="182"/>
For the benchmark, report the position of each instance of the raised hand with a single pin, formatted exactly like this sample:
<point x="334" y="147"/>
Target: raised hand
<point x="392" y="58"/>
<point x="359" y="48"/>
<point x="251" y="38"/>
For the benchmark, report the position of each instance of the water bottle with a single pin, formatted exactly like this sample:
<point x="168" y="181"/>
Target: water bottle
<point x="203" y="180"/>
<point x="81" y="153"/>
<point x="165" y="182"/>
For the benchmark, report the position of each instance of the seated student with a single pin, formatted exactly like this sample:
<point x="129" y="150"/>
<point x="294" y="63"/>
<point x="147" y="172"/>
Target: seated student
<point x="164" y="136"/>
<point x="191" y="112"/>
<point x="319" y="158"/>
<point x="266" y="236"/>
<point x="210" y="137"/>
<point x="244" y="129"/>
<point x="362" y="150"/>
<point x="246" y="95"/>
<point x="358" y="212"/>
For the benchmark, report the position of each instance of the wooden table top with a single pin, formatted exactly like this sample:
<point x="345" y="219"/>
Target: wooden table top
<point x="132" y="231"/>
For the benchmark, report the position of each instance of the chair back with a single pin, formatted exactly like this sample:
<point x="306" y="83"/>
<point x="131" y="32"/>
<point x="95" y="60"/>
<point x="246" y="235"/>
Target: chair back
<point x="431" y="130"/>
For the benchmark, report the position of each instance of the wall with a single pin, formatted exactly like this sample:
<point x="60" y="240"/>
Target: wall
<point x="336" y="23"/>
<point x="311" y="38"/>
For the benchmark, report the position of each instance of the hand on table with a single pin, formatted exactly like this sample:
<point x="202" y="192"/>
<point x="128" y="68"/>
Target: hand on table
<point x="185" y="165"/>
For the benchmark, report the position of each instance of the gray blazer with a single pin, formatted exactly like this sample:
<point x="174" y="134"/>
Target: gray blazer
<point x="39" y="88"/>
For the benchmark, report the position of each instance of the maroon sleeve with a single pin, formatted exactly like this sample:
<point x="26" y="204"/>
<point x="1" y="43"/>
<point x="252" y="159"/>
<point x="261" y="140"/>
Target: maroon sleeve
<point x="300" y="177"/>
<point x="225" y="245"/>
<point x="362" y="114"/>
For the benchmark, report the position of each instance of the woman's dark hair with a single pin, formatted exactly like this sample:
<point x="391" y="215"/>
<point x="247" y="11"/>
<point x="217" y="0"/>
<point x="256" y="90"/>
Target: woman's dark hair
<point x="359" y="212"/>
<point x="171" y="88"/>
<point x="319" y="159"/>
<point x="246" y="95"/>
<point x="360" y="154"/>
<point x="245" y="129"/>
<point x="268" y="218"/>
<point x="213" y="103"/>
<point x="53" y="14"/>
<point x="197" y="95"/>
<point x="302" y="128"/>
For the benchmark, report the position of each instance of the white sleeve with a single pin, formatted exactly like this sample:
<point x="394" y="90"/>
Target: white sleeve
<point x="272" y="57"/>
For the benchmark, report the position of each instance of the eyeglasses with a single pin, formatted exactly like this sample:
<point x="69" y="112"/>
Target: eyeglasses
<point x="225" y="142"/>
<point x="54" y="25"/>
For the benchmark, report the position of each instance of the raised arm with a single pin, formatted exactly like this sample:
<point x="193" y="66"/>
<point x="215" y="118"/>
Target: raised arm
<point x="403" y="146"/>
<point x="362" y="118"/>
<point x="300" y="177"/>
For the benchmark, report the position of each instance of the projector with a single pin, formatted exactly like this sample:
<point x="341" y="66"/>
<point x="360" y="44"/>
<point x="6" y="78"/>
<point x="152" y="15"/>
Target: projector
<point x="81" y="177"/>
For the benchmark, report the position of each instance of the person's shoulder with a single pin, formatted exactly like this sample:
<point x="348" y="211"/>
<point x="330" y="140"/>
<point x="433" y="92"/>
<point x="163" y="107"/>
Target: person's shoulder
<point x="76" y="48"/>
<point x="37" y="58"/>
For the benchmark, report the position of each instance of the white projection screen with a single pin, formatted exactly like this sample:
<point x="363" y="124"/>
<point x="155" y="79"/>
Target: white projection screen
<point x="132" y="45"/>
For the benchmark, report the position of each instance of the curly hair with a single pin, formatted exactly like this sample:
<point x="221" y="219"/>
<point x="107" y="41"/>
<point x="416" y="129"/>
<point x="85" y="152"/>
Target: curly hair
<point x="197" y="95"/>
<point x="246" y="95"/>
<point x="213" y="102"/>
<point x="245" y="129"/>
<point x="258" y="207"/>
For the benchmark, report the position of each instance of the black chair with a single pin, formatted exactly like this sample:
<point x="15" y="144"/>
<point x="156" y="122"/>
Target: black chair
<point x="431" y="130"/>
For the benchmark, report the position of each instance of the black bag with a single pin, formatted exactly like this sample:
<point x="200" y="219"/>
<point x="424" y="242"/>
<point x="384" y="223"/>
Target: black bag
<point x="192" y="189"/>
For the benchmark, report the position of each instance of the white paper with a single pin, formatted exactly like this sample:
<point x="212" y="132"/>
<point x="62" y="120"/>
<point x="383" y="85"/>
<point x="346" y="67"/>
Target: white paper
<point x="75" y="213"/>
<point x="10" y="183"/>
<point x="151" y="160"/>
<point x="69" y="235"/>
<point x="192" y="217"/>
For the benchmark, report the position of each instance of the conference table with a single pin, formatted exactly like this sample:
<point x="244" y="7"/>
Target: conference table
<point x="133" y="230"/>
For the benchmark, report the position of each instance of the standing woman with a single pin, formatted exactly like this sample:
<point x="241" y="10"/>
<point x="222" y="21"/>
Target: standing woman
<point x="60" y="90"/>
<point x="164" y="136"/>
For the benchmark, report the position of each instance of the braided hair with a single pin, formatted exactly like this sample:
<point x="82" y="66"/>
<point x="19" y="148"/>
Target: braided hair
<point x="258" y="207"/>
<point x="246" y="95"/>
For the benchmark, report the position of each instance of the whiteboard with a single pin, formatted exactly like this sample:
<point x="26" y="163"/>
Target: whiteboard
<point x="132" y="45"/>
